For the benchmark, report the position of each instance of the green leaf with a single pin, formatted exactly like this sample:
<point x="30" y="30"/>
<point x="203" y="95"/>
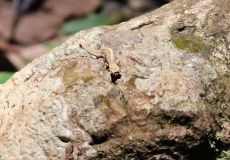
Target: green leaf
<point x="4" y="76"/>
<point x="76" y="25"/>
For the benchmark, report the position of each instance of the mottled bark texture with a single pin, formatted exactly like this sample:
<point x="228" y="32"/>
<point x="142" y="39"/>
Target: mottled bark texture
<point x="171" y="101"/>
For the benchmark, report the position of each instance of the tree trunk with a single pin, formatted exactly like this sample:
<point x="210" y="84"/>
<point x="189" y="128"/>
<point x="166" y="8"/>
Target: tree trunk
<point x="171" y="99"/>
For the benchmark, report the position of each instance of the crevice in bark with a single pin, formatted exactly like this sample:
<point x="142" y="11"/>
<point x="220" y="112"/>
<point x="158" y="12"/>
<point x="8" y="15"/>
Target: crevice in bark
<point x="99" y="139"/>
<point x="141" y="25"/>
<point x="64" y="139"/>
<point x="209" y="149"/>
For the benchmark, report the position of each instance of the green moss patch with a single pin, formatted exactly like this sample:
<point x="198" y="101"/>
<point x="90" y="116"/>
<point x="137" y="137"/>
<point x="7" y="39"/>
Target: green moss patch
<point x="190" y="43"/>
<point x="71" y="76"/>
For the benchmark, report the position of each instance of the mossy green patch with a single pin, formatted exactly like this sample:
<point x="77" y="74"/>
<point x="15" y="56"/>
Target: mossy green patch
<point x="69" y="72"/>
<point x="154" y="126"/>
<point x="106" y="105"/>
<point x="105" y="99"/>
<point x="191" y="43"/>
<point x="124" y="102"/>
<point x="122" y="98"/>
<point x="70" y="76"/>
<point x="131" y="82"/>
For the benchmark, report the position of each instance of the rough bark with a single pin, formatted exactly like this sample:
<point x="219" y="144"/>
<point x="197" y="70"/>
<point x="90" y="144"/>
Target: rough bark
<point x="172" y="100"/>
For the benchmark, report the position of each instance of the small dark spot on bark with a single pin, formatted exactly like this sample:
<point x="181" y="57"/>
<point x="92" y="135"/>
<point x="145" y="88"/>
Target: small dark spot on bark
<point x="202" y="95"/>
<point x="64" y="139"/>
<point x="181" y="29"/>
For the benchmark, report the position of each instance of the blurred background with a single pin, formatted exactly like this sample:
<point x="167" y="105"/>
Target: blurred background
<point x="30" y="28"/>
